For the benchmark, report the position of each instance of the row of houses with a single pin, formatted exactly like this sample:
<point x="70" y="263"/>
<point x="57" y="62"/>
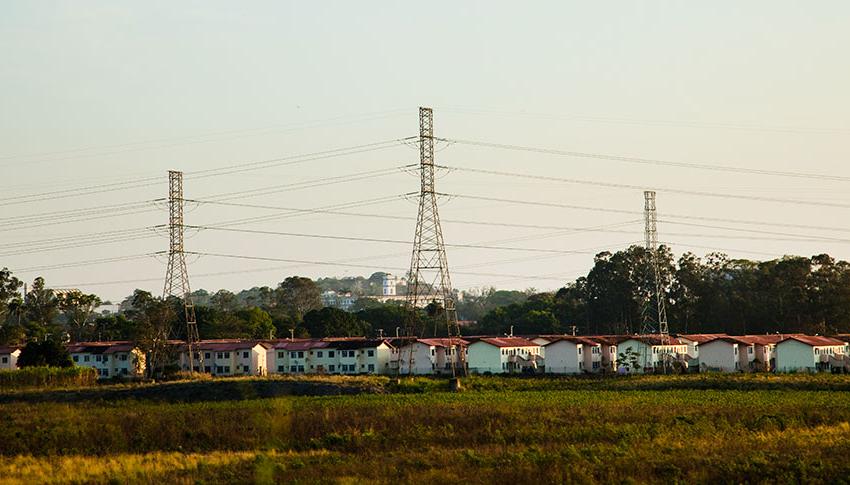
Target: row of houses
<point x="554" y="354"/>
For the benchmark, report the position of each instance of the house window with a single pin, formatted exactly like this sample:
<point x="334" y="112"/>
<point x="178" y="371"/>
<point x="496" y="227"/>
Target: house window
<point x="434" y="352"/>
<point x="207" y="369"/>
<point x="123" y="357"/>
<point x="105" y="359"/>
<point x="85" y="358"/>
<point x="207" y="355"/>
<point x="319" y="354"/>
<point x="124" y="371"/>
<point x="330" y="354"/>
<point x="371" y="367"/>
<point x="293" y="368"/>
<point x="227" y="369"/>
<point x="749" y="350"/>
<point x="97" y="358"/>
<point x="331" y="368"/>
<point x="244" y="355"/>
<point x="579" y="350"/>
<point x="596" y="364"/>
<point x="218" y="355"/>
<point x="370" y="353"/>
<point x="76" y="358"/>
<point x="301" y="354"/>
<point x="281" y="355"/>
<point x="245" y="368"/>
<point x="227" y="355"/>
<point x="281" y="369"/>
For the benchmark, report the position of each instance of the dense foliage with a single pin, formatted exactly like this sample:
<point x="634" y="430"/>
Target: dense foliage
<point x="711" y="295"/>
<point x="50" y="353"/>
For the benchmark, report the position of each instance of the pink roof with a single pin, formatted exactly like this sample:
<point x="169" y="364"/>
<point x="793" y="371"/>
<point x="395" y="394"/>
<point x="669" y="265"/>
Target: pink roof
<point x="442" y="342"/>
<point x="815" y="341"/>
<point x="301" y="345"/>
<point x="509" y="342"/>
<point x="10" y="349"/>
<point x="576" y="340"/>
<point x="650" y="339"/>
<point x="702" y="337"/>
<point x="223" y="345"/>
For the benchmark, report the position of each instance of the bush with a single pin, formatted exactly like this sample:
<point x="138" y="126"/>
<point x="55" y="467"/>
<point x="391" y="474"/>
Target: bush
<point x="47" y="377"/>
<point x="49" y="353"/>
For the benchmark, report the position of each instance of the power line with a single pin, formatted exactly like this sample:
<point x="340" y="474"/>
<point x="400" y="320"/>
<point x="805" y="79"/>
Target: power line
<point x="244" y="167"/>
<point x="646" y="122"/>
<point x="121" y="146"/>
<point x="638" y="187"/>
<point x="649" y="161"/>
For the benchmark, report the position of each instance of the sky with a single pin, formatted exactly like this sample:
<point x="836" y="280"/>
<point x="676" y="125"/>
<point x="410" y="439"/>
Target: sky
<point x="295" y="126"/>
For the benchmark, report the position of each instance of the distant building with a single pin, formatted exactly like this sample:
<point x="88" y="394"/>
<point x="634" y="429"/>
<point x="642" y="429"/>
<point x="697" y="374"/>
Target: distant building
<point x="9" y="357"/>
<point x="109" y="359"/>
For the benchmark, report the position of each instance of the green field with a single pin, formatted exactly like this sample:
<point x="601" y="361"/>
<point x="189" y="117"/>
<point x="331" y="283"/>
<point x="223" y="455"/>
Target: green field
<point x="717" y="429"/>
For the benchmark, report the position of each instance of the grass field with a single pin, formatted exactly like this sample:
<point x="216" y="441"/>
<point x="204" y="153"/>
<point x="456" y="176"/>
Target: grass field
<point x="716" y="429"/>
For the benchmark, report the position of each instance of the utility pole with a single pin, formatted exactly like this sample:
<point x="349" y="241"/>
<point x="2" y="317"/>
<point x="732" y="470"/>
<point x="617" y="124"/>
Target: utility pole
<point x="429" y="280"/>
<point x="177" y="276"/>
<point x="657" y="313"/>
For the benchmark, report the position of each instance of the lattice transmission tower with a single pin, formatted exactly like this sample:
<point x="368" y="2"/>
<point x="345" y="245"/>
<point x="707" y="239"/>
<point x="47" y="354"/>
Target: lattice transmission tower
<point x="177" y="276"/>
<point x="654" y="317"/>
<point x="429" y="281"/>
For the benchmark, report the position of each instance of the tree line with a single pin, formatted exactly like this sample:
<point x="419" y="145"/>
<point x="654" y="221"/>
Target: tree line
<point x="714" y="294"/>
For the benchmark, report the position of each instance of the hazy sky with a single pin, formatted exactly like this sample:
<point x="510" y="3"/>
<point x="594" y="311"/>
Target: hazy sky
<point x="98" y="100"/>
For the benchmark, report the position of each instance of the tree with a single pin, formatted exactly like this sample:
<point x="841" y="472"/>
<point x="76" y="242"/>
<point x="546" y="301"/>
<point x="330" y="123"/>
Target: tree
<point x="153" y="320"/>
<point x="297" y="295"/>
<point x="49" y="353"/>
<point x="41" y="307"/>
<point x="333" y="322"/>
<point x="8" y="292"/>
<point x="78" y="308"/>
<point x="224" y="300"/>
<point x="113" y="327"/>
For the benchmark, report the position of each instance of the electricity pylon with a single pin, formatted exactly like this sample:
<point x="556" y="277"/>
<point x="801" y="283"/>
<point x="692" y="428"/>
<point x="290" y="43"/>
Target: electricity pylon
<point x="428" y="280"/>
<point x="656" y="314"/>
<point x="177" y="276"/>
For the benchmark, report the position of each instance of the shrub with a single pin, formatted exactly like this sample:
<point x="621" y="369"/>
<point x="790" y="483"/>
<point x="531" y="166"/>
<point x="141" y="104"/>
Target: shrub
<point x="47" y="377"/>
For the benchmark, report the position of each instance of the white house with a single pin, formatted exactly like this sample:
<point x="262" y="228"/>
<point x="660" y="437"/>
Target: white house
<point x="726" y="354"/>
<point x="109" y="359"/>
<point x="805" y="353"/>
<point x="563" y="356"/>
<point x="503" y="355"/>
<point x="428" y="355"/>
<point x="366" y="356"/>
<point x="227" y="357"/>
<point x="9" y="357"/>
<point x="573" y="355"/>
<point x="651" y="352"/>
<point x="694" y="340"/>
